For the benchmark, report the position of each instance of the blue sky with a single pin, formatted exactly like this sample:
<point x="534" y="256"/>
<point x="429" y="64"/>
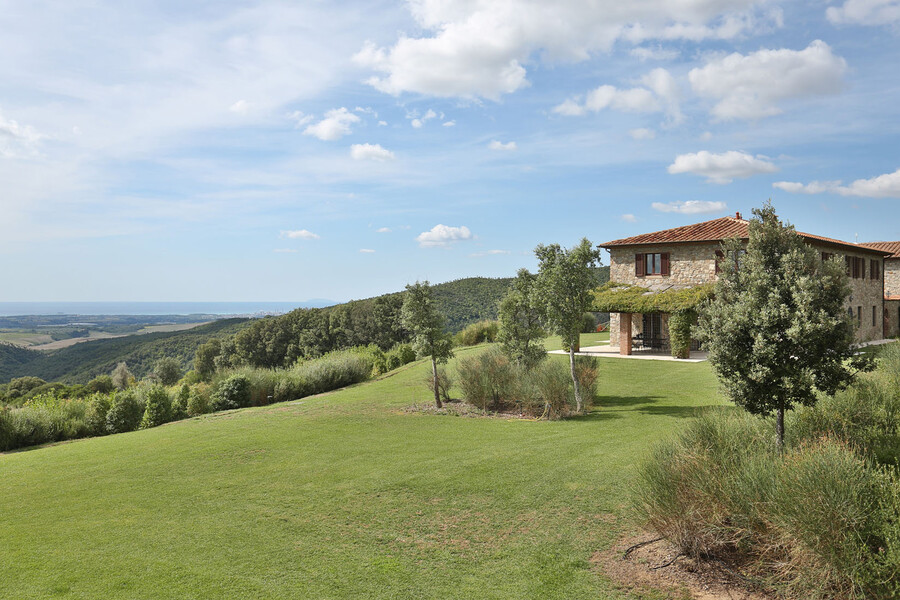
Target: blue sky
<point x="244" y="151"/>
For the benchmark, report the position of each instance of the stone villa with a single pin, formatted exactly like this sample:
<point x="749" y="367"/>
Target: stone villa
<point x="685" y="257"/>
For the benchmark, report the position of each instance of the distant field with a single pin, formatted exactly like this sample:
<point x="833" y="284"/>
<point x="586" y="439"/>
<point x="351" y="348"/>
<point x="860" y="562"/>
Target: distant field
<point x="343" y="495"/>
<point x="24" y="338"/>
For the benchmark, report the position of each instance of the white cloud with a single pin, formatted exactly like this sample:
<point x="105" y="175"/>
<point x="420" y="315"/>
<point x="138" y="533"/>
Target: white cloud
<point x="17" y="141"/>
<point x="370" y="152"/>
<point x="865" y="12"/>
<point x="654" y="53"/>
<point x="366" y="251"/>
<point x="691" y="207"/>
<point x="299" y="118"/>
<point x="300" y="234"/>
<point x="383" y="230"/>
<point x="479" y="48"/>
<point x="629" y="218"/>
<point x="382" y="123"/>
<point x="882" y="186"/>
<point x="642" y="134"/>
<point x="659" y="93"/>
<point x="443" y="235"/>
<point x="448" y="123"/>
<point x="721" y="168"/>
<point x="419" y="122"/>
<point x="334" y="126"/>
<point x="751" y="86"/>
<point x="368" y="110"/>
<point x="240" y="107"/>
<point x="496" y="145"/>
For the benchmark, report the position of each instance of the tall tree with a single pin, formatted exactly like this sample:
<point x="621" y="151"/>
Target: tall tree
<point x="421" y="318"/>
<point x="520" y="322"/>
<point x="167" y="370"/>
<point x="777" y="331"/>
<point x="564" y="281"/>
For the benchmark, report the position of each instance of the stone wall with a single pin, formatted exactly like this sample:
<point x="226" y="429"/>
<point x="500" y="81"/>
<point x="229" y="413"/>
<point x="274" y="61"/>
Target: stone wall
<point x="694" y="264"/>
<point x="891" y="318"/>
<point x="892" y="278"/>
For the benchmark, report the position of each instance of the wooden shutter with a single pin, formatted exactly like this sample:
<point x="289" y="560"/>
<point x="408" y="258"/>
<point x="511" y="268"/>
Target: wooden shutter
<point x="639" y="265"/>
<point x="720" y="256"/>
<point x="664" y="269"/>
<point x="862" y="268"/>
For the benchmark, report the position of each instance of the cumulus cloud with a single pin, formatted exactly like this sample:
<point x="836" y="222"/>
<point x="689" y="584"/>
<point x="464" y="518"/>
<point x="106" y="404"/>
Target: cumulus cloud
<point x="334" y="126"/>
<point x="418" y="122"/>
<point x="366" y="251"/>
<point x="443" y="235"/>
<point x="479" y="48"/>
<point x="370" y="152"/>
<point x="658" y="93"/>
<point x="629" y="218"/>
<point x="17" y="141"/>
<point x="496" y="145"/>
<point x="642" y="134"/>
<point x="721" y="168"/>
<point x="691" y="207"/>
<point x="448" y="123"/>
<point x="882" y="186"/>
<point x="383" y="230"/>
<point x="865" y="12"/>
<point x="300" y="234"/>
<point x="654" y="53"/>
<point x="751" y="86"/>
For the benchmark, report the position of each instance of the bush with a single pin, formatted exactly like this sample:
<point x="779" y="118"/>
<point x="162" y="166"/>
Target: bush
<point x="232" y="393"/>
<point x="588" y="323"/>
<point x="167" y="371"/>
<point x="587" y="371"/>
<point x="95" y="417"/>
<point x="549" y="390"/>
<point x="102" y="384"/>
<point x="478" y="333"/>
<point x="157" y="407"/>
<point x="125" y="412"/>
<point x="332" y="371"/>
<point x="180" y="402"/>
<point x="199" y="400"/>
<point x="399" y="355"/>
<point x="488" y="379"/>
<point x="43" y="419"/>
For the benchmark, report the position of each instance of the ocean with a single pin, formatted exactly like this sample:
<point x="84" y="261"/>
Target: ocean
<point x="8" y="309"/>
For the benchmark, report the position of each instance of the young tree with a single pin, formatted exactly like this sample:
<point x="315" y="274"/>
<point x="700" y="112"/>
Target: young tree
<point x="564" y="282"/>
<point x="205" y="358"/>
<point x="167" y="370"/>
<point x="421" y="318"/>
<point x="777" y="331"/>
<point x="520" y="322"/>
<point x="121" y="376"/>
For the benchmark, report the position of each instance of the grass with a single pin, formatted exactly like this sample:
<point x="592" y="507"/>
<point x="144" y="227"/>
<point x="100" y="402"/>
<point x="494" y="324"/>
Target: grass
<point x="342" y="496"/>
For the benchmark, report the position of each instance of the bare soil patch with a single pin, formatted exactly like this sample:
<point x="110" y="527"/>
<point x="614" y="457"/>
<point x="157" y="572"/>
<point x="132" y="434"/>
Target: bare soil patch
<point x="658" y="565"/>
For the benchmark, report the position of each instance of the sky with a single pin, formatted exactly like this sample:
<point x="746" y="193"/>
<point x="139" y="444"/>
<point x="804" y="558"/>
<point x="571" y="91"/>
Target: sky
<point x="281" y="151"/>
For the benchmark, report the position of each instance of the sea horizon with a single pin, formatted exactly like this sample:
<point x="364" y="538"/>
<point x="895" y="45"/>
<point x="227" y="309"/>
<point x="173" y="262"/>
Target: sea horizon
<point x="17" y="309"/>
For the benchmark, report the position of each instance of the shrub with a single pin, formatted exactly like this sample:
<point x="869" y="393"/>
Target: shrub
<point x="587" y="371"/>
<point x="180" y="402"/>
<point x="95" y="417"/>
<point x="588" y="323"/>
<point x="289" y="387"/>
<point x="125" y="412"/>
<point x="332" y="371"/>
<point x="232" y="393"/>
<point x="102" y="384"/>
<point x="198" y="401"/>
<point x="478" y="333"/>
<point x="488" y="379"/>
<point x="121" y="376"/>
<point x="157" y="407"/>
<point x="167" y="371"/>
<point x="399" y="355"/>
<point x="548" y="390"/>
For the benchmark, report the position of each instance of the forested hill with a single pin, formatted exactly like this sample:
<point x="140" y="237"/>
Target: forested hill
<point x="82" y="362"/>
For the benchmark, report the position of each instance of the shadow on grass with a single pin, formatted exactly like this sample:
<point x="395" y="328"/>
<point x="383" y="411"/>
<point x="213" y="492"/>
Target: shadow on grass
<point x="643" y="404"/>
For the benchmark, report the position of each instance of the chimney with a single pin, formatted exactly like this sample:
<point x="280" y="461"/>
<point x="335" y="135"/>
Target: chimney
<point x="737" y="215"/>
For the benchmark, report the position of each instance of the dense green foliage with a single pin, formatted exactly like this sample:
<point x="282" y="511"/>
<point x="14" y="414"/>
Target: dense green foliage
<point x="777" y="331"/>
<point x="821" y="523"/>
<point x="477" y="333"/>
<point x="521" y="327"/>
<point x="425" y="323"/>
<point x="620" y="297"/>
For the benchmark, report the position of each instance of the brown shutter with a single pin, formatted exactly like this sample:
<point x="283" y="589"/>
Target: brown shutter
<point x="639" y="265"/>
<point x="664" y="269"/>
<point x="862" y="268"/>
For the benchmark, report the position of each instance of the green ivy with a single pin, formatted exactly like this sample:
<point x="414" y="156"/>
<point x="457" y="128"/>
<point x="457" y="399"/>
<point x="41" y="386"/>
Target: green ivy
<point x="627" y="298"/>
<point x="680" y="324"/>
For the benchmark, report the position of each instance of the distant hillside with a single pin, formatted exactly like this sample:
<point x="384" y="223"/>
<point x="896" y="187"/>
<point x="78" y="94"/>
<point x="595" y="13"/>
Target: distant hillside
<point x="470" y="300"/>
<point x="82" y="362"/>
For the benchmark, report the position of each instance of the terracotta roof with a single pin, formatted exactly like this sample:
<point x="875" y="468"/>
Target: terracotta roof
<point x="892" y="297"/>
<point x="718" y="230"/>
<point x="892" y="247"/>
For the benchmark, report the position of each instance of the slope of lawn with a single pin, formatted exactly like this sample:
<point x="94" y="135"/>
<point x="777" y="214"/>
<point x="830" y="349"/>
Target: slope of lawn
<point x="341" y="496"/>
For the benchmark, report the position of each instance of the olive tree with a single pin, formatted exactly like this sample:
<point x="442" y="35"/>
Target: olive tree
<point x="564" y="282"/>
<point x="777" y="331"/>
<point x="426" y="325"/>
<point x="521" y="330"/>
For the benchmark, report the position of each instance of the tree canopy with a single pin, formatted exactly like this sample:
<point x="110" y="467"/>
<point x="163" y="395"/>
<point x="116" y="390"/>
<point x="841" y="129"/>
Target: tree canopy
<point x="421" y="318"/>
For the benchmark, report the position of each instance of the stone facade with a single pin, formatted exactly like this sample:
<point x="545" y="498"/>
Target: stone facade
<point x="692" y="264"/>
<point x="891" y="318"/>
<point x="892" y="278"/>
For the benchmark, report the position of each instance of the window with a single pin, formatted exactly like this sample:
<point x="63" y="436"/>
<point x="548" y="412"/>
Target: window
<point x="859" y="315"/>
<point x="875" y="269"/>
<point x="651" y="263"/>
<point x="856" y="267"/>
<point x="737" y="256"/>
<point x="826" y="256"/>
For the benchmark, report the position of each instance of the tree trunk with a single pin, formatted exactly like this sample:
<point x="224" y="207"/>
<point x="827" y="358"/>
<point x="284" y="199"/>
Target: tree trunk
<point x="779" y="430"/>
<point x="437" y="391"/>
<point x="579" y="405"/>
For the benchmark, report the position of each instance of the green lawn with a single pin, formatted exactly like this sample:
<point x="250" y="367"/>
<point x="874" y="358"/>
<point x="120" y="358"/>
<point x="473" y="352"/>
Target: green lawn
<point x="342" y="496"/>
